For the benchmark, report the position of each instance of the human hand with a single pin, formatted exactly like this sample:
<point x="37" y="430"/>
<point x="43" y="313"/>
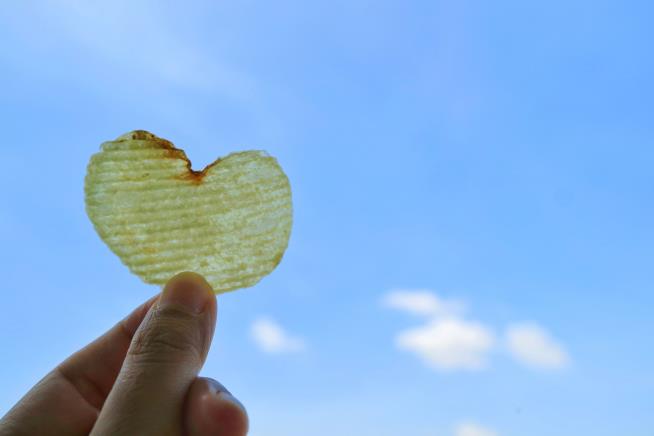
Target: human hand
<point x="139" y="378"/>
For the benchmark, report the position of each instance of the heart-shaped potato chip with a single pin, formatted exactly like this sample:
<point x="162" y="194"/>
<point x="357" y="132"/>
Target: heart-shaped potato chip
<point x="229" y="222"/>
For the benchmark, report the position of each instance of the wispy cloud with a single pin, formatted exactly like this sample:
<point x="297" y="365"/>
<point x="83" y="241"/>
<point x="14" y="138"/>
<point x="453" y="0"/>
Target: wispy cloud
<point x="473" y="429"/>
<point x="140" y="40"/>
<point x="533" y="346"/>
<point x="449" y="344"/>
<point x="272" y="338"/>
<point x="421" y="302"/>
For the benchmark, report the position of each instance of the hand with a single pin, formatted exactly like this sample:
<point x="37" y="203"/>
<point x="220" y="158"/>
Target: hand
<point x="139" y="378"/>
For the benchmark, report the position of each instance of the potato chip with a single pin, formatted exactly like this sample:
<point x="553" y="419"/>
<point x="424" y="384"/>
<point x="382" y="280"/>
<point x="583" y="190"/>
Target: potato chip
<point x="229" y="222"/>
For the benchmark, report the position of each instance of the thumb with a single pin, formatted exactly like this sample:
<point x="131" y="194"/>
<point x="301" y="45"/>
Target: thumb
<point x="163" y="359"/>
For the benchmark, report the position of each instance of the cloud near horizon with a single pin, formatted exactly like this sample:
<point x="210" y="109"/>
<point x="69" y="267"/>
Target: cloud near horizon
<point x="473" y="429"/>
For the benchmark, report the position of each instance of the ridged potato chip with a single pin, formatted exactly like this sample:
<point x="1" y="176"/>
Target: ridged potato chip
<point x="229" y="222"/>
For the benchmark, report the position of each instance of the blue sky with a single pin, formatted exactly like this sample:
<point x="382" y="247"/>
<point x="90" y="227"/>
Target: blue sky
<point x="472" y="245"/>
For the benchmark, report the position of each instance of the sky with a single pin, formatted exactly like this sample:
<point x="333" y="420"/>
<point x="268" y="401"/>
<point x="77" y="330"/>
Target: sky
<point x="472" y="188"/>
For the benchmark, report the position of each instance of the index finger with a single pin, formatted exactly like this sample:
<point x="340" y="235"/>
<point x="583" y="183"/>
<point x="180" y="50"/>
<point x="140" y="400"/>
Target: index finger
<point x="94" y="368"/>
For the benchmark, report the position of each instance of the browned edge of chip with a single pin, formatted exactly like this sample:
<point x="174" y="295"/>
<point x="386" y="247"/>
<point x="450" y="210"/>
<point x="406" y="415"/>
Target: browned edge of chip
<point x="194" y="176"/>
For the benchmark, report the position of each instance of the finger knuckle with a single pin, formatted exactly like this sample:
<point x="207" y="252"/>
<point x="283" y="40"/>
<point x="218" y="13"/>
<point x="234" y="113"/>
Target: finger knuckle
<point x="170" y="335"/>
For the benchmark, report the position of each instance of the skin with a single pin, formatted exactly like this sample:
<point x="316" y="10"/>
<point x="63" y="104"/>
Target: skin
<point x="140" y="377"/>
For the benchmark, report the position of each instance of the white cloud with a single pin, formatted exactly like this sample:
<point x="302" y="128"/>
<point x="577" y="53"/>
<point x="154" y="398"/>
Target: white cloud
<point x="531" y="345"/>
<point x="272" y="338"/>
<point x="472" y="429"/>
<point x="449" y="344"/>
<point x="421" y="302"/>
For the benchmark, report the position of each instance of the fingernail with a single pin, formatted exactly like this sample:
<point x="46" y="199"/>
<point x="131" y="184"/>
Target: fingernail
<point x="217" y="387"/>
<point x="188" y="290"/>
<point x="222" y="394"/>
<point x="229" y="398"/>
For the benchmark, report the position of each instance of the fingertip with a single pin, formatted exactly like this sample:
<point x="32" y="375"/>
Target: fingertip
<point x="190" y="291"/>
<point x="189" y="277"/>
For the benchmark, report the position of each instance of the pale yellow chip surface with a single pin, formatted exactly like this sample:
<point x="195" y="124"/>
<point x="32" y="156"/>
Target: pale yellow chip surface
<point x="229" y="222"/>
